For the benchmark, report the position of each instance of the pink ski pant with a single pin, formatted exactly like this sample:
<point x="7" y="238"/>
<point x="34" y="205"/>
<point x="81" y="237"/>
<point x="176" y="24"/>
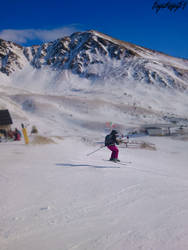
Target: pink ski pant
<point x="115" y="151"/>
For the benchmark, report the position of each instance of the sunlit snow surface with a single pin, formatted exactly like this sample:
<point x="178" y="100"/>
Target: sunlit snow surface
<point x="56" y="197"/>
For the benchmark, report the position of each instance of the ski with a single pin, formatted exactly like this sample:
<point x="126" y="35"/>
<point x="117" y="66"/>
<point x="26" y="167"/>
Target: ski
<point x="99" y="161"/>
<point x="127" y="162"/>
<point x="120" y="162"/>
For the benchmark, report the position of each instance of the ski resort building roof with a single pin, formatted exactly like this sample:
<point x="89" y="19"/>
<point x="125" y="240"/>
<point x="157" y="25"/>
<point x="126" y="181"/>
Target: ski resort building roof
<point x="5" y="119"/>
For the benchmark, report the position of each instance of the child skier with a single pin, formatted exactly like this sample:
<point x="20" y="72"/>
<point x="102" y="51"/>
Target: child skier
<point x="110" y="141"/>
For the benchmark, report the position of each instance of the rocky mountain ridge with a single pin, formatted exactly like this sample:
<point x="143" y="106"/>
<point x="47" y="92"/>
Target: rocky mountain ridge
<point x="96" y="56"/>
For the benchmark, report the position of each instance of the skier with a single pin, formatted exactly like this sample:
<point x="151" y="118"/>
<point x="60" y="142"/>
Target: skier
<point x="110" y="141"/>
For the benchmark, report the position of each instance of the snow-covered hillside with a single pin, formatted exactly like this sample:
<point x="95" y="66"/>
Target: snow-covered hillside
<point x="78" y="105"/>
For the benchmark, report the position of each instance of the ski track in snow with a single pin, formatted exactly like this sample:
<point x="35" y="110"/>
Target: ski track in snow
<point x="63" y="199"/>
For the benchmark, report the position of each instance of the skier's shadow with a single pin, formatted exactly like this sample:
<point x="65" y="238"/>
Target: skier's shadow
<point x="70" y="165"/>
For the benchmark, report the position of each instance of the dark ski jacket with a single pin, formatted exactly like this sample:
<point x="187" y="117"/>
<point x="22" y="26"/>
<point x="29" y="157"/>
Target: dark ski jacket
<point x="111" y="140"/>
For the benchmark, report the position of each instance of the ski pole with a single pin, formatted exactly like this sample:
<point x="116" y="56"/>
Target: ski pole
<point x="96" y="150"/>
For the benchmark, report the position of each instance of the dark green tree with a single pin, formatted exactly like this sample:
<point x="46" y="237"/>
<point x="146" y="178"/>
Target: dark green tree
<point x="170" y="5"/>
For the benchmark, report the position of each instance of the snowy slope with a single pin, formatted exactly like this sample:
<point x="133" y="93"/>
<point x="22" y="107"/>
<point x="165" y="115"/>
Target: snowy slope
<point x="82" y="108"/>
<point x="62" y="199"/>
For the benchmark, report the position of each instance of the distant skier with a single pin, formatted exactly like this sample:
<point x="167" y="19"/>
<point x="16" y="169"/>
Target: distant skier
<point x="17" y="135"/>
<point x="110" y="141"/>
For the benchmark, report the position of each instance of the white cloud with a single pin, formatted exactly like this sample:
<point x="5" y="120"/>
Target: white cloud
<point x="26" y="35"/>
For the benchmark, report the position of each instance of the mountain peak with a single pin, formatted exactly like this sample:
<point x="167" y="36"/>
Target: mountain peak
<point x="92" y="54"/>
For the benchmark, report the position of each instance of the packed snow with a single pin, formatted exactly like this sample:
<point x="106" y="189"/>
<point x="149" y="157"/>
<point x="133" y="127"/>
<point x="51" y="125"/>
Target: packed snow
<point x="56" y="197"/>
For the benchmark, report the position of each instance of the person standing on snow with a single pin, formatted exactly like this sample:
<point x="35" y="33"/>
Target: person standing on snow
<point x="17" y="135"/>
<point x="110" y="141"/>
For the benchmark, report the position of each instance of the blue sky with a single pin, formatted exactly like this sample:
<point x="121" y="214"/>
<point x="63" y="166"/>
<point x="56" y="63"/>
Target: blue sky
<point x="31" y="22"/>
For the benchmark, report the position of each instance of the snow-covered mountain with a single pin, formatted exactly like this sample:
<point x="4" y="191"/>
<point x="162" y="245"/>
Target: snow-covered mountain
<point x="94" y="55"/>
<point x="86" y="79"/>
